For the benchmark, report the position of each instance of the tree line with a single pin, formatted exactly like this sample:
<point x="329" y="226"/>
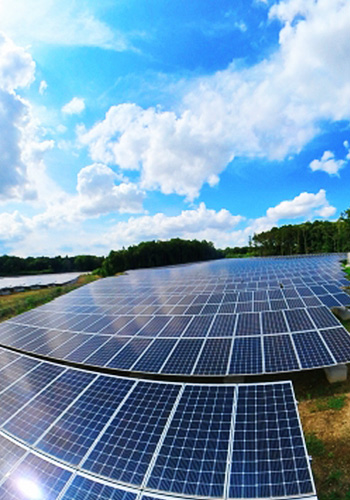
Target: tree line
<point x="307" y="238"/>
<point x="15" y="266"/>
<point x="158" y="253"/>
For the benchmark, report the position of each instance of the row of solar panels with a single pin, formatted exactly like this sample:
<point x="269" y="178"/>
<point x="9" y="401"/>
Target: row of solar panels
<point x="249" y="355"/>
<point x="200" y="303"/>
<point x="212" y="325"/>
<point x="212" y="441"/>
<point x="37" y="280"/>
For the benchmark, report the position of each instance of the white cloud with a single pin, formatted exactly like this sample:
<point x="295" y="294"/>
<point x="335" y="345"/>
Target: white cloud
<point x="60" y="226"/>
<point x="328" y="164"/>
<point x="98" y="194"/>
<point x="21" y="149"/>
<point x="271" y="110"/>
<point x="74" y="107"/>
<point x="42" y="87"/>
<point x="58" y="23"/>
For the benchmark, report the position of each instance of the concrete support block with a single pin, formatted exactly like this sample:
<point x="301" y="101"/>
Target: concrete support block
<point x="338" y="373"/>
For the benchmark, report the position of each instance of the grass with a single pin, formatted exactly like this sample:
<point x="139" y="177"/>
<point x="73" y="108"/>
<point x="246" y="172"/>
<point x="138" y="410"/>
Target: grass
<point x="17" y="303"/>
<point x="325" y="415"/>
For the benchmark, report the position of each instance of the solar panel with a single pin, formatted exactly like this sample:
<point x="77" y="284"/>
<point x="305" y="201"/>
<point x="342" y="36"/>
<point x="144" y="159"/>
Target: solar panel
<point x="125" y="449"/>
<point x="279" y="354"/>
<point x="193" y="457"/>
<point x="268" y="452"/>
<point x="87" y="489"/>
<point x="311" y="350"/>
<point x="76" y="429"/>
<point x="36" y="477"/>
<point x="42" y="410"/>
<point x="214" y="356"/>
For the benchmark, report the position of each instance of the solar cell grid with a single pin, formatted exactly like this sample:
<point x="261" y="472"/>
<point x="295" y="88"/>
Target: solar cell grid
<point x="213" y="358"/>
<point x="194" y="462"/>
<point x="311" y="350"/>
<point x="279" y="354"/>
<point x="72" y="435"/>
<point x="125" y="449"/>
<point x="268" y="453"/>
<point x="39" y="413"/>
<point x="83" y="488"/>
<point x="37" y="475"/>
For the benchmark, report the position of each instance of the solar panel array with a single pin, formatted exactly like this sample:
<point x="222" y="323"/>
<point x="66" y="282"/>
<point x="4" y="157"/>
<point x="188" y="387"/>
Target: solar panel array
<point x="68" y="433"/>
<point x="9" y="283"/>
<point x="239" y="317"/>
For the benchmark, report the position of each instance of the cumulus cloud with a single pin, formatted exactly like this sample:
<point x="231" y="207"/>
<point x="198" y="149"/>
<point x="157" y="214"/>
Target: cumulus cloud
<point x="271" y="110"/>
<point x="74" y="107"/>
<point x="19" y="144"/>
<point x="42" y="87"/>
<point x="98" y="194"/>
<point x="328" y="164"/>
<point x="58" y="23"/>
<point x="60" y="226"/>
<point x="305" y="205"/>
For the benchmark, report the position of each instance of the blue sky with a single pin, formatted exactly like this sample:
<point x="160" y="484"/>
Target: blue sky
<point x="123" y="121"/>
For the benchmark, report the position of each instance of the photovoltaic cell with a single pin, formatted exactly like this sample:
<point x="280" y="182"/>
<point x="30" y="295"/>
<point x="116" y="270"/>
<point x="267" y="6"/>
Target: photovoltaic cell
<point x="323" y="318"/>
<point x="71" y="437"/>
<point x="338" y="342"/>
<point x="194" y="462"/>
<point x="16" y="395"/>
<point x="223" y="326"/>
<point x="130" y="354"/>
<point x="155" y="356"/>
<point x="298" y="320"/>
<point x="248" y="324"/>
<point x="10" y="454"/>
<point x="273" y="322"/>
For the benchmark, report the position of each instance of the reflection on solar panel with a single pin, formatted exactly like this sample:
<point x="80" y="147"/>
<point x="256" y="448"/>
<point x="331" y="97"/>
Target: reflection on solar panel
<point x="207" y="441"/>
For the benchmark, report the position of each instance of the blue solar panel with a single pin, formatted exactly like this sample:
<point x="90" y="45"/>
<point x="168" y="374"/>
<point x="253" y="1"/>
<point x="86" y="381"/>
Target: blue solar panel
<point x="129" y="354"/>
<point x="35" y="417"/>
<point x="248" y="324"/>
<point x="214" y="357"/>
<point x="193" y="457"/>
<point x="72" y="435"/>
<point x="10" y="454"/>
<point x="183" y="357"/>
<point x="279" y="354"/>
<point x="268" y="453"/>
<point x="338" y="342"/>
<point x="298" y="320"/>
<point x="199" y="326"/>
<point x="125" y="449"/>
<point x="16" y="395"/>
<point x="311" y="350"/>
<point x="154" y="358"/>
<point x="223" y="326"/>
<point x="83" y="488"/>
<point x="273" y="322"/>
<point x="36" y="477"/>
<point x="246" y="356"/>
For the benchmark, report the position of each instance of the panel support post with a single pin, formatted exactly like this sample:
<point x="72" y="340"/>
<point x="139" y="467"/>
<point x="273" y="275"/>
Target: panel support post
<point x="338" y="373"/>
